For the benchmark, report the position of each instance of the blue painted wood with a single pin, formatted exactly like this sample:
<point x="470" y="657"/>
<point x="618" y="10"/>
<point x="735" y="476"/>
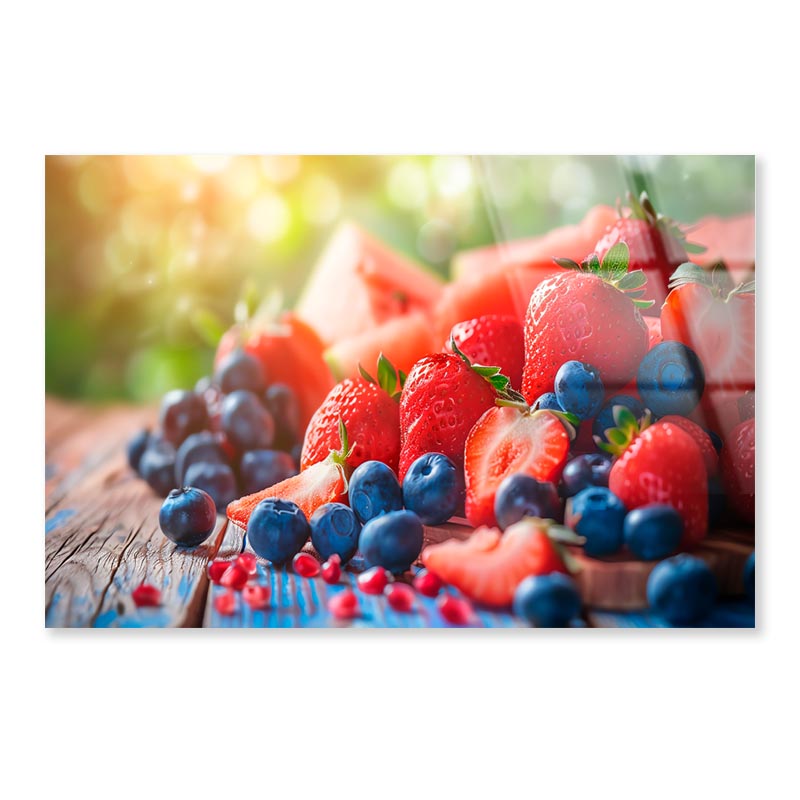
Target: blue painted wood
<point x="726" y="614"/>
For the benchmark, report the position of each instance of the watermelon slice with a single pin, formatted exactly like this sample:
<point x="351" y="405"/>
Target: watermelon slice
<point x="359" y="283"/>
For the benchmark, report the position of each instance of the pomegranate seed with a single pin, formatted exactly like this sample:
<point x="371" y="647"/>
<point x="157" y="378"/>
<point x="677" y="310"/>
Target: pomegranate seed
<point x="146" y="595"/>
<point x="373" y="581"/>
<point x="256" y="596"/>
<point x="248" y="562"/>
<point x="428" y="584"/>
<point x="216" y="569"/>
<point x="234" y="577"/>
<point x="400" y="597"/>
<point x="332" y="569"/>
<point x="454" y="609"/>
<point x="225" y="603"/>
<point x="344" y="605"/>
<point x="306" y="565"/>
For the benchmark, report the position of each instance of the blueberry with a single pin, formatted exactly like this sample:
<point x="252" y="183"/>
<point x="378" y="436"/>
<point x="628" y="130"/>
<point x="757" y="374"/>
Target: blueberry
<point x="749" y="577"/>
<point x="548" y="400"/>
<point x="335" y="529"/>
<point x="716" y="439"/>
<point x="547" y="601"/>
<point x="239" y="370"/>
<point x="297" y="453"/>
<point x="277" y="530"/>
<point x="590" y="469"/>
<point x="181" y="413"/>
<point x="597" y="514"/>
<point x="433" y="488"/>
<point x="136" y="447"/>
<point x="282" y="404"/>
<point x="392" y="541"/>
<point x="157" y="465"/>
<point x="605" y="416"/>
<point x="716" y="500"/>
<point x="521" y="495"/>
<point x="260" y="469"/>
<point x="374" y="490"/>
<point x="670" y="379"/>
<point x="197" y="447"/>
<point x="653" y="532"/>
<point x="187" y="516"/>
<point x="682" y="589"/>
<point x="216" y="479"/>
<point x="579" y="389"/>
<point x="245" y="421"/>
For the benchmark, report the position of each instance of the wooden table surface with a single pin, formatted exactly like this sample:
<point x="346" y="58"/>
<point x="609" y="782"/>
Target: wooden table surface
<point x="102" y="540"/>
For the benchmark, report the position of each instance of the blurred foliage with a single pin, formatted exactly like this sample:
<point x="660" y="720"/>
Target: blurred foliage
<point x="146" y="256"/>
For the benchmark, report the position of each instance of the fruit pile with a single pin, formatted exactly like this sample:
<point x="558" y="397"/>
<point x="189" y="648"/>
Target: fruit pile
<point x="605" y="403"/>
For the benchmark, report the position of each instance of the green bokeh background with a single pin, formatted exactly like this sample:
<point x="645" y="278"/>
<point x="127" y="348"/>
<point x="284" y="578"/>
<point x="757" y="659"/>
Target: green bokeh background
<point x="144" y="253"/>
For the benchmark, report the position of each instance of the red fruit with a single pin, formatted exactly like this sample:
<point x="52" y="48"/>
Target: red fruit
<point x="344" y="604"/>
<point x="738" y="466"/>
<point x="710" y="456"/>
<point x="747" y="405"/>
<point x="325" y="482"/>
<point x="489" y="565"/>
<point x="455" y="610"/>
<point x="332" y="569"/>
<point x="248" y="562"/>
<point x="442" y="399"/>
<point x="427" y="583"/>
<point x="400" y="597"/>
<point x="720" y="326"/>
<point x="582" y="315"/>
<point x="662" y="464"/>
<point x="653" y="331"/>
<point x="225" y="603"/>
<point x="730" y="240"/>
<point x="492" y="340"/>
<point x="235" y="577"/>
<point x="506" y="440"/>
<point x="373" y="581"/>
<point x="656" y="245"/>
<point x="306" y="565"/>
<point x="256" y="596"/>
<point x="146" y="595"/>
<point x="216" y="569"/>
<point x="371" y="414"/>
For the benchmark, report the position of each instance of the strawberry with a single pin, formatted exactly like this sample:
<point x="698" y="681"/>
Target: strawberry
<point x="506" y="440"/>
<point x="324" y="482"/>
<point x="659" y="464"/>
<point x="443" y="397"/>
<point x="653" y="331"/>
<point x="588" y="313"/>
<point x="657" y="245"/>
<point x="737" y="464"/>
<point x="715" y="320"/>
<point x="489" y="565"/>
<point x="371" y="415"/>
<point x="492" y="339"/>
<point x="703" y="440"/>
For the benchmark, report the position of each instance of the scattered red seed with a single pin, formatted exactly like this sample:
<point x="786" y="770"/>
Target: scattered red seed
<point x="235" y="577"/>
<point x="332" y="569"/>
<point x="248" y="562"/>
<point x="256" y="596"/>
<point x="455" y="610"/>
<point x="146" y="595"/>
<point x="400" y="597"/>
<point x="306" y="565"/>
<point x="373" y="581"/>
<point x="428" y="584"/>
<point x="344" y="605"/>
<point x="225" y="603"/>
<point x="216" y="569"/>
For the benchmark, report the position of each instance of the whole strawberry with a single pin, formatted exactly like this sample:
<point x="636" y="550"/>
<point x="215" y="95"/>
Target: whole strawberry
<point x="371" y="414"/>
<point x="661" y="463"/>
<point x="443" y="397"/>
<point x="492" y="339"/>
<point x="738" y="466"/>
<point x="589" y="313"/>
<point x="657" y="245"/>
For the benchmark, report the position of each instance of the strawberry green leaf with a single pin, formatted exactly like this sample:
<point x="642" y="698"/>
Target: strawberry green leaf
<point x="623" y="416"/>
<point x="616" y="260"/>
<point x="692" y="247"/>
<point x="485" y="372"/>
<point x="567" y="263"/>
<point x="632" y="280"/>
<point x="689" y="273"/>
<point x="591" y="263"/>
<point x="634" y="295"/>
<point x="401" y="376"/>
<point x="616" y="436"/>
<point x="499" y="382"/>
<point x="365" y="375"/>
<point x="387" y="375"/>
<point x="644" y="303"/>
